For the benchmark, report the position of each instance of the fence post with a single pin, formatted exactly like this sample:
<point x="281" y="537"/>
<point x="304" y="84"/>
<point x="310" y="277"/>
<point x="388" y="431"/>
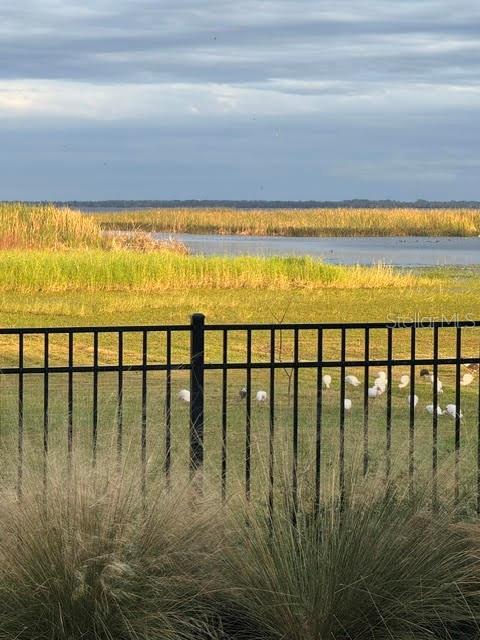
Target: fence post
<point x="197" y="363"/>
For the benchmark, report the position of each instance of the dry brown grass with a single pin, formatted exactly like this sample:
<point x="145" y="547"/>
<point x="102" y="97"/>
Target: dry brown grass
<point x="142" y="242"/>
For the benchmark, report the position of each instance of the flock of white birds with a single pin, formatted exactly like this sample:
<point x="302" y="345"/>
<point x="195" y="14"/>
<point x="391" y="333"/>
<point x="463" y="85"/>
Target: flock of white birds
<point x="376" y="390"/>
<point x="380" y="385"/>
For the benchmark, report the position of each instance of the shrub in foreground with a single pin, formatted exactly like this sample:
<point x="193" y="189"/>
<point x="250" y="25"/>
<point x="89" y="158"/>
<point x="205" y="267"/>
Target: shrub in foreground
<point x="96" y="560"/>
<point x="377" y="568"/>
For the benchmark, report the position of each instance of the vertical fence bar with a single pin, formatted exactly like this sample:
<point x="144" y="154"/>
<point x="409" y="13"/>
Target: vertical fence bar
<point x="248" y="418"/>
<point x="295" y="425"/>
<point x="388" y="443"/>
<point x="365" y="401"/>
<point x="20" y="416"/>
<point x="45" y="407"/>
<point x="342" y="417"/>
<point x="458" y="343"/>
<point x="271" y="435"/>
<point x="120" y="399"/>
<point x="478" y="436"/>
<point x="70" y="399"/>
<point x="95" y="397"/>
<point x="144" y="411"/>
<point x="197" y="376"/>
<point x="411" y="427"/>
<point x="435" y="421"/>
<point x="318" y="429"/>
<point x="168" y="409"/>
<point x="224" y="412"/>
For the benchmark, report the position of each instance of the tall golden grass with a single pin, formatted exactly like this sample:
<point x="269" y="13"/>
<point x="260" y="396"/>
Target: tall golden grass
<point x="301" y="222"/>
<point x="35" y="226"/>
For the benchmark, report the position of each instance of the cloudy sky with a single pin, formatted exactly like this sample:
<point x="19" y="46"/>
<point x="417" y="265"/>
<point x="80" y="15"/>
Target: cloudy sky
<point x="280" y="99"/>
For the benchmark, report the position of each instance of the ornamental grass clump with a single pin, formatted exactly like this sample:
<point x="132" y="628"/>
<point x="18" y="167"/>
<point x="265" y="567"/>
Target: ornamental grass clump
<point x="376" y="566"/>
<point x="94" y="559"/>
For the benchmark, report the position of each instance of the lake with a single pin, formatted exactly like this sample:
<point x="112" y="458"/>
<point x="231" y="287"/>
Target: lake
<point x="405" y="251"/>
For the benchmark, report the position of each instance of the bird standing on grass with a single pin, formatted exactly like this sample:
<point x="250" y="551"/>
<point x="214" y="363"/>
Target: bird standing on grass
<point x="414" y="399"/>
<point x="430" y="410"/>
<point x="466" y="379"/>
<point x="439" y="384"/>
<point x="327" y="381"/>
<point x="184" y="395"/>
<point x="353" y="380"/>
<point x="451" y="410"/>
<point x="261" y="396"/>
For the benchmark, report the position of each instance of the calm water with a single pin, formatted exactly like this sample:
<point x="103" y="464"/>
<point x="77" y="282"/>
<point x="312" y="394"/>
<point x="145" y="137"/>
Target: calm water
<point x="412" y="251"/>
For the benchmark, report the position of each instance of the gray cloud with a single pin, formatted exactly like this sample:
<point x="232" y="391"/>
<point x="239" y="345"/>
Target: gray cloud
<point x="238" y="42"/>
<point x="213" y="98"/>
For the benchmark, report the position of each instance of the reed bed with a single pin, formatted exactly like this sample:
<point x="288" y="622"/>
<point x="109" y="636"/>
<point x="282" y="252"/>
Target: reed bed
<point x="36" y="226"/>
<point x="97" y="270"/>
<point x="301" y="222"/>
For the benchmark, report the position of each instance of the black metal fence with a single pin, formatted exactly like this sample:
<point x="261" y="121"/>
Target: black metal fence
<point x="304" y="356"/>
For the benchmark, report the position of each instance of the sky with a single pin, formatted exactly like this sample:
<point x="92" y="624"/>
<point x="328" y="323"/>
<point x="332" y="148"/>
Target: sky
<point x="245" y="99"/>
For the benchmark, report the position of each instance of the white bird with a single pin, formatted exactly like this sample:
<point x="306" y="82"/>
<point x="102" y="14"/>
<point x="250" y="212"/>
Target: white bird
<point x="353" y="380"/>
<point x="261" y="396"/>
<point x="380" y="381"/>
<point x="415" y="400"/>
<point x="429" y="408"/>
<point x="404" y="381"/>
<point x="439" y="384"/>
<point x="452" y="411"/>
<point x="184" y="395"/>
<point x="374" y="392"/>
<point x="382" y="374"/>
<point x="243" y="393"/>
<point x="466" y="379"/>
<point x="347" y="403"/>
<point x="327" y="381"/>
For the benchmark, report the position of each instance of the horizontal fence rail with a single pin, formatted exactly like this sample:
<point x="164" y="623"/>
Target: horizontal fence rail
<point x="260" y="407"/>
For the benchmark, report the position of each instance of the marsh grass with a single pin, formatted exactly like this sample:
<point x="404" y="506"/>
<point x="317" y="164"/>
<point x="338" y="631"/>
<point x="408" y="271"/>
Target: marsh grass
<point x="67" y="251"/>
<point x="301" y="222"/>
<point x="24" y="226"/>
<point x="97" y="270"/>
<point x="35" y="226"/>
